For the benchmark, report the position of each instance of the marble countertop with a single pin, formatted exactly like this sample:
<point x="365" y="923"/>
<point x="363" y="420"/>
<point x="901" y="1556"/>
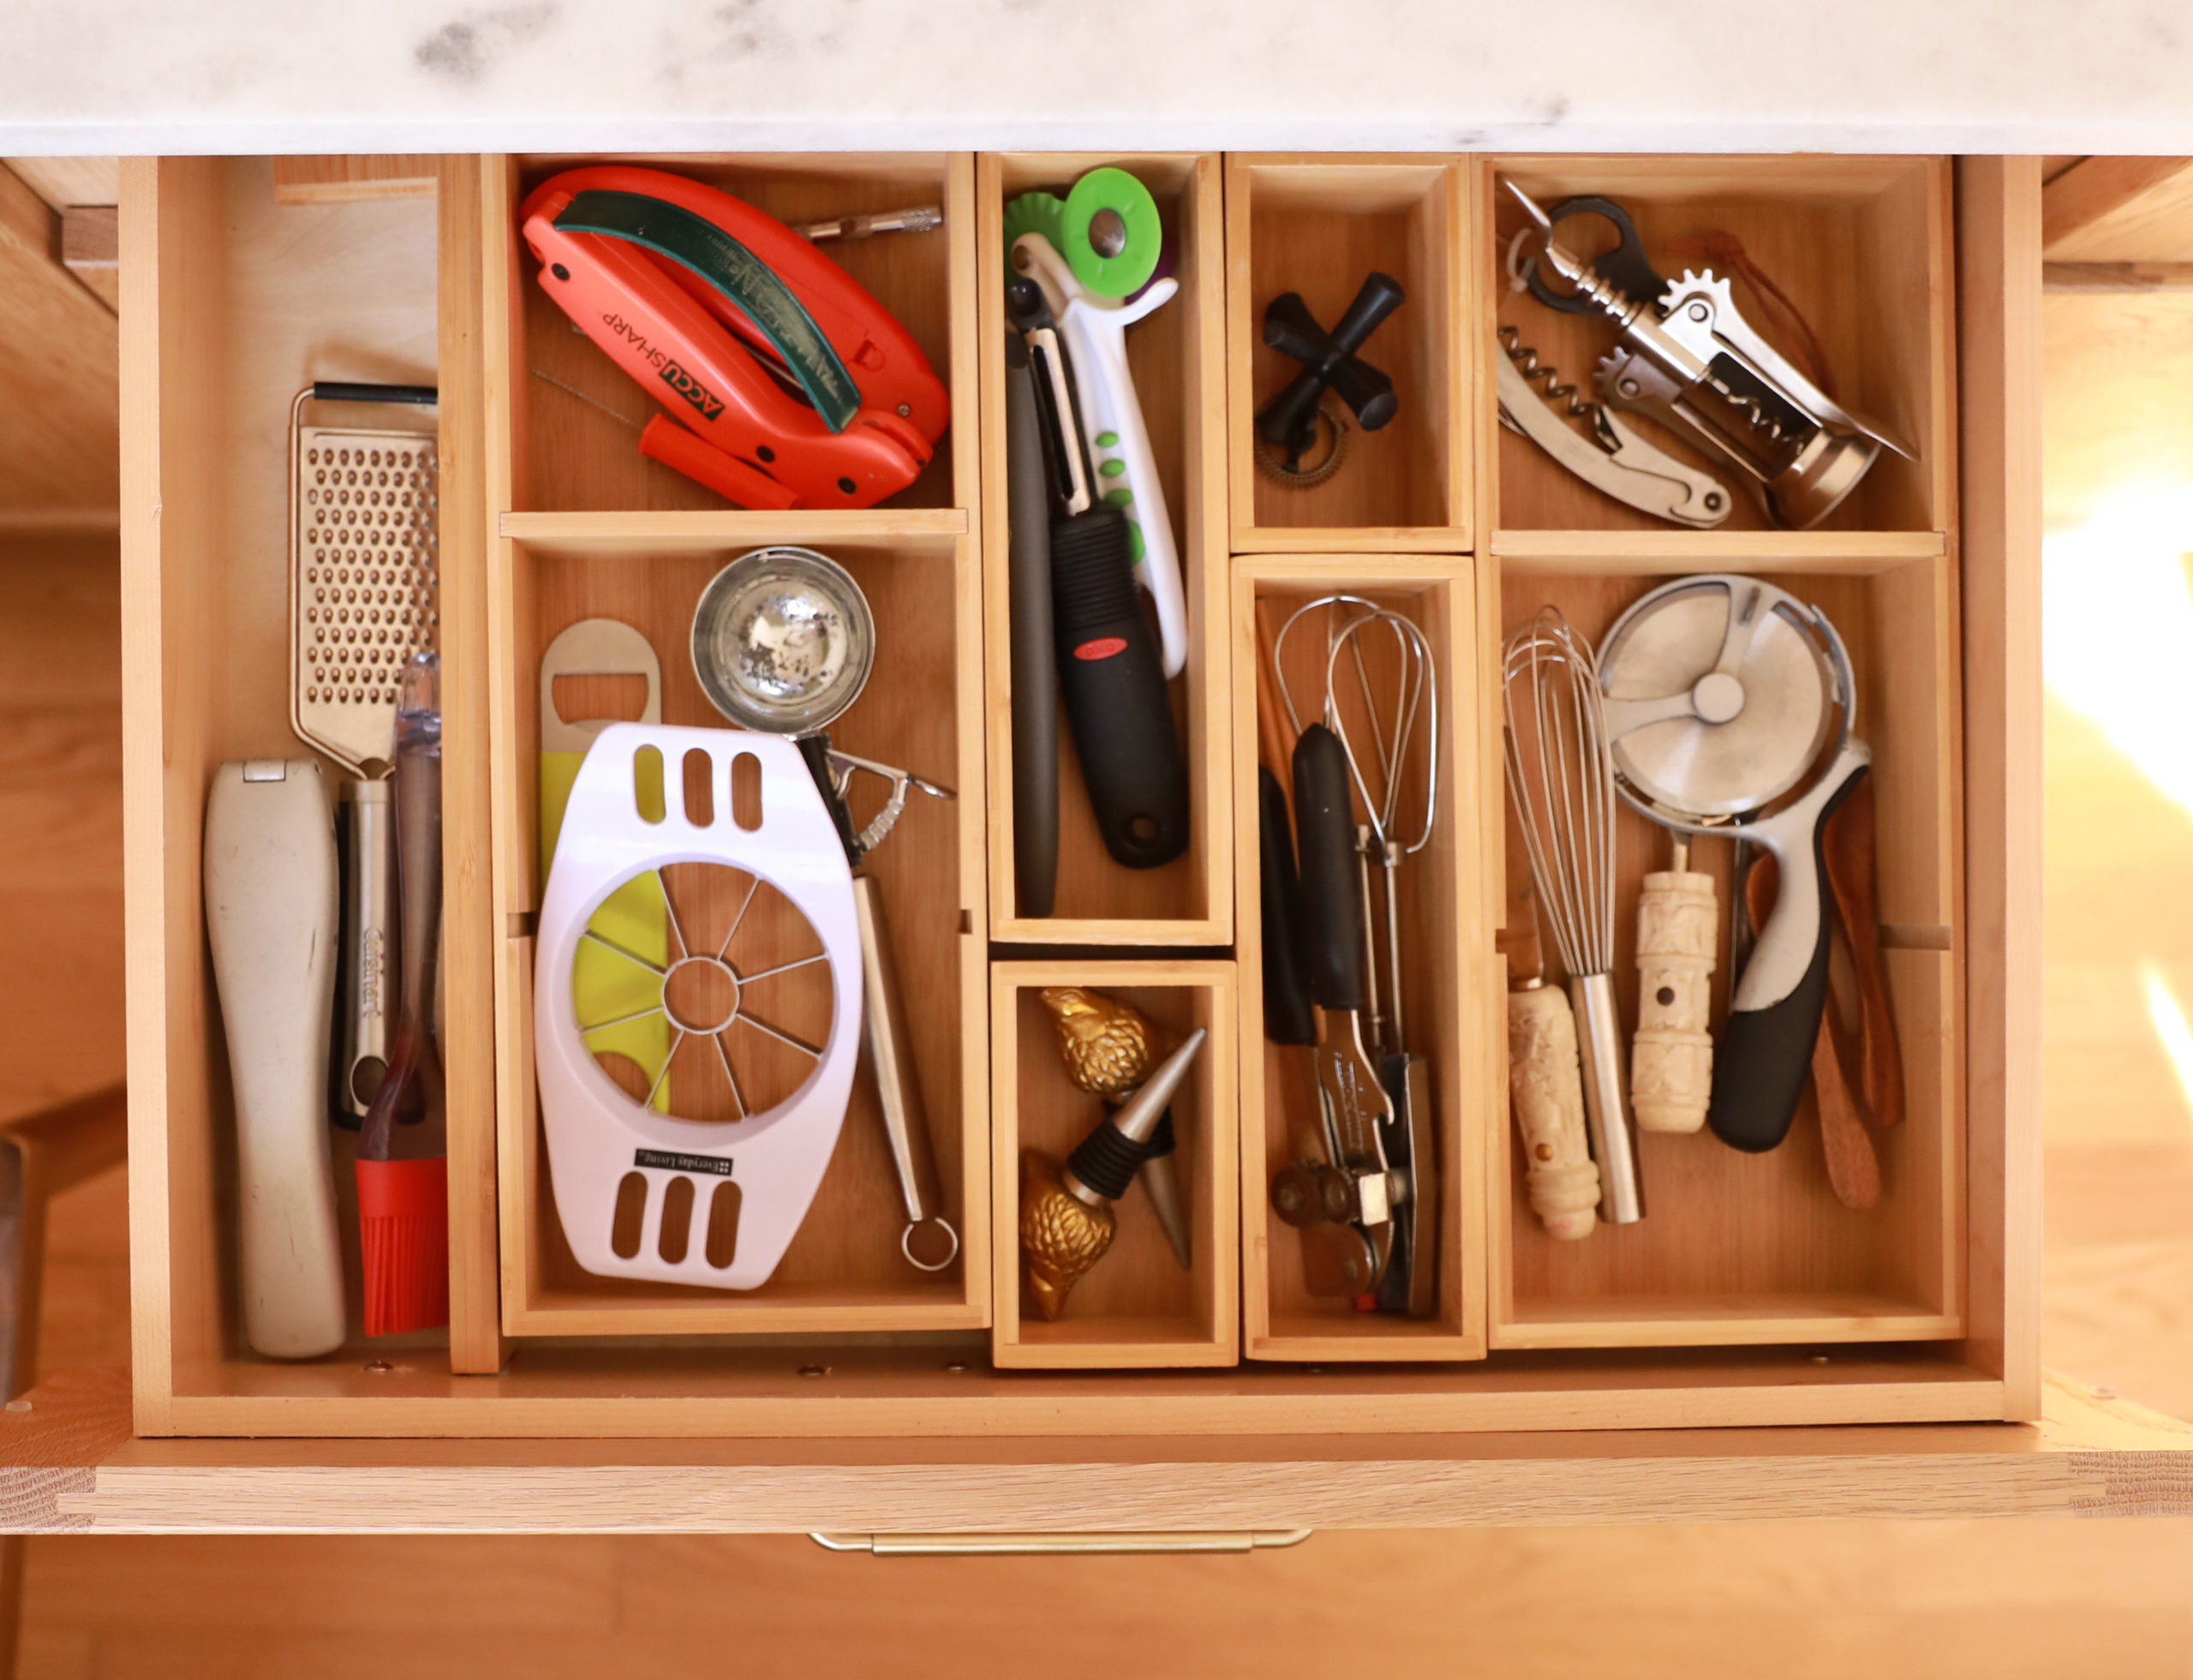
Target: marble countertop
<point x="104" y="76"/>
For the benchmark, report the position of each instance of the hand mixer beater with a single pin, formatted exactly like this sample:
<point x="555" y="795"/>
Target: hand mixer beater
<point x="1561" y="776"/>
<point x="1378" y="1187"/>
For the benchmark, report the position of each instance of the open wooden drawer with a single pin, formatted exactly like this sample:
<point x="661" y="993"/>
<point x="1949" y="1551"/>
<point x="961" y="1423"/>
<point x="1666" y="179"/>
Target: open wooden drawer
<point x="230" y="302"/>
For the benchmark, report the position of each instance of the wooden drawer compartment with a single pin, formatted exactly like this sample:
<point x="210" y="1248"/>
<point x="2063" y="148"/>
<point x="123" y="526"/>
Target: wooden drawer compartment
<point x="1318" y="226"/>
<point x="1861" y="248"/>
<point x="576" y="417"/>
<point x="845" y="1272"/>
<point x="1135" y="1306"/>
<point x="1756" y="1249"/>
<point x="1444" y="922"/>
<point x="1176" y="357"/>
<point x="546" y="518"/>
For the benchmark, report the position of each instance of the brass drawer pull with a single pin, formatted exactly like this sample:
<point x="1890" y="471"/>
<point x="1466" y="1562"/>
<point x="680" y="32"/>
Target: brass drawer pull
<point x="1061" y="1545"/>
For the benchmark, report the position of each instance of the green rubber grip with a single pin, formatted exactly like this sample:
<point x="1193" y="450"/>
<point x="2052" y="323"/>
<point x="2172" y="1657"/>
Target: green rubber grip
<point x="699" y="246"/>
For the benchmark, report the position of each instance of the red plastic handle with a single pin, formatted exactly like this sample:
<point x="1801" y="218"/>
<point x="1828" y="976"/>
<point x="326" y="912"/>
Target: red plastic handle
<point x="697" y="354"/>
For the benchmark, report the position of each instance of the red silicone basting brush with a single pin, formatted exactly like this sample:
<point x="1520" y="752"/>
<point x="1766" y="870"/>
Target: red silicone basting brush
<point x="403" y="1146"/>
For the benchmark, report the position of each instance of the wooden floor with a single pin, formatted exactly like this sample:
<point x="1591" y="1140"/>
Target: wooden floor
<point x="1794" y="1600"/>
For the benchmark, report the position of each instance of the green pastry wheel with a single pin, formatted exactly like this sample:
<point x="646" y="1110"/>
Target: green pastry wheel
<point x="1106" y="227"/>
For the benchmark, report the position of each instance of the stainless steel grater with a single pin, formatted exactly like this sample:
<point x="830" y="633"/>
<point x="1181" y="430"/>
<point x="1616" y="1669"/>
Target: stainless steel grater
<point x="365" y="569"/>
<point x="365" y="566"/>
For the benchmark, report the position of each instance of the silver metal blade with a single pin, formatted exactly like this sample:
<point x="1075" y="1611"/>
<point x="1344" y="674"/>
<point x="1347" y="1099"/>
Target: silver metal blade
<point x="1715" y="769"/>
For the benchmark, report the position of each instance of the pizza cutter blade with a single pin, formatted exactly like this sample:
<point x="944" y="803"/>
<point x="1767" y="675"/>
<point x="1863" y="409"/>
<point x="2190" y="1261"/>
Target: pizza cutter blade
<point x="1731" y="703"/>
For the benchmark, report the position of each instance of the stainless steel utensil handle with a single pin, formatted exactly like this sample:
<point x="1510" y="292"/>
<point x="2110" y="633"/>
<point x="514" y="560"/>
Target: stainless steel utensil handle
<point x="368" y="980"/>
<point x="885" y="1037"/>
<point x="1606" y="1108"/>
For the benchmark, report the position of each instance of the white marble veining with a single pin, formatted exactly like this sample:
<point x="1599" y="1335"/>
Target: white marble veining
<point x="264" y="76"/>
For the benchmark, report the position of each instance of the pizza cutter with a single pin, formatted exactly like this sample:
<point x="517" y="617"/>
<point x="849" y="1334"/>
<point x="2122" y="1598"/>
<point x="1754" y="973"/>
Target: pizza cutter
<point x="1731" y="705"/>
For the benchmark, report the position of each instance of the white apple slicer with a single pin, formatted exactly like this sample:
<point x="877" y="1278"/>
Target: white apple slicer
<point x="761" y="993"/>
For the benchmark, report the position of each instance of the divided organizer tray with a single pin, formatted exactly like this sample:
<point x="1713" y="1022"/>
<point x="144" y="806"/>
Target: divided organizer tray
<point x="1748" y="1295"/>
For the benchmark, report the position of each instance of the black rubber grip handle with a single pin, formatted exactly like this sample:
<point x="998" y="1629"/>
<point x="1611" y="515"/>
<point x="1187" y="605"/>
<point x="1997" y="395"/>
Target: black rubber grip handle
<point x="1287" y="1020"/>
<point x="349" y="390"/>
<point x="1324" y="825"/>
<point x="1114" y="684"/>
<point x="1035" y="663"/>
<point x="1764" y="1057"/>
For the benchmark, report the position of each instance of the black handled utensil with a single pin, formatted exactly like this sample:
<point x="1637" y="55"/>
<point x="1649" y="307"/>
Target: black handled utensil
<point x="1352" y="1101"/>
<point x="1111" y="676"/>
<point x="1035" y="663"/>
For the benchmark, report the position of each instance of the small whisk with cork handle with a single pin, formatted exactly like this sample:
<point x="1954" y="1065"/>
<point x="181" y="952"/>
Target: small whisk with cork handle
<point x="1560" y="779"/>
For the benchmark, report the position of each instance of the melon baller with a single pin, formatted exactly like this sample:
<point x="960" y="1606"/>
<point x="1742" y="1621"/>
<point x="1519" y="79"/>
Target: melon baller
<point x="1731" y="705"/>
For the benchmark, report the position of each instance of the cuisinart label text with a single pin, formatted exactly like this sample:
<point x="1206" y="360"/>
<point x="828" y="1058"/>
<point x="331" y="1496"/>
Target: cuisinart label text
<point x="668" y="1162"/>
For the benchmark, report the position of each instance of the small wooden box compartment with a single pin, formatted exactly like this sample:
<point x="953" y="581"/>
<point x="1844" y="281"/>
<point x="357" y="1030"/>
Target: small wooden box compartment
<point x="1320" y="226"/>
<point x="1446" y="928"/>
<point x="1861" y="248"/>
<point x="1137" y="1306"/>
<point x="844" y="1271"/>
<point x="1177" y="359"/>
<point x="577" y="416"/>
<point x="1756" y="1249"/>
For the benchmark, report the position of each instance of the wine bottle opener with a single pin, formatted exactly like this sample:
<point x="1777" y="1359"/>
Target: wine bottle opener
<point x="1730" y="706"/>
<point x="722" y="314"/>
<point x="1607" y="455"/>
<point x="1689" y="359"/>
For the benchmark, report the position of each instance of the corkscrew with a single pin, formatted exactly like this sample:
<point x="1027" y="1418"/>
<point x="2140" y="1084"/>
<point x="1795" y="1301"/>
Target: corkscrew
<point x="1689" y="359"/>
<point x="1606" y="454"/>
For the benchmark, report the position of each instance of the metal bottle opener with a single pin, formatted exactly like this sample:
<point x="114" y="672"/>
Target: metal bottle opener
<point x="1607" y="455"/>
<point x="1690" y="361"/>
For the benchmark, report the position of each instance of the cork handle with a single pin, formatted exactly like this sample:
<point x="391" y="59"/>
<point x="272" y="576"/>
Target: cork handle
<point x="1548" y="1090"/>
<point x="1671" y="1059"/>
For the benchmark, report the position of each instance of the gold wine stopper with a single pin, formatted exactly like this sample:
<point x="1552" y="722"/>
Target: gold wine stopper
<point x="1066" y="1221"/>
<point x="1107" y="1044"/>
<point x="1108" y="1047"/>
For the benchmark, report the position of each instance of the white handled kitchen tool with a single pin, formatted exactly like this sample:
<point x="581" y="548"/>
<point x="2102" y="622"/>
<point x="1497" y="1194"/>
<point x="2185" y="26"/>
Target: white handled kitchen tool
<point x="1671" y="1056"/>
<point x="718" y="997"/>
<point x="610" y="995"/>
<point x="1730" y="704"/>
<point x="271" y="919"/>
<point x="1111" y="419"/>
<point x="364" y="579"/>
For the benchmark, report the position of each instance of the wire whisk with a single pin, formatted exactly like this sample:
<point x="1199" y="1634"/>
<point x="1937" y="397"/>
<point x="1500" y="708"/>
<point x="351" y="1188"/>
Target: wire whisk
<point x="1561" y="776"/>
<point x="1382" y="838"/>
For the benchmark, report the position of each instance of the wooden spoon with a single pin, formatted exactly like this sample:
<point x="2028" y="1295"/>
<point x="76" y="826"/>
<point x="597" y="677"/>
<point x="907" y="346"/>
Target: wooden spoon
<point x="1848" y="850"/>
<point x="1854" y="1171"/>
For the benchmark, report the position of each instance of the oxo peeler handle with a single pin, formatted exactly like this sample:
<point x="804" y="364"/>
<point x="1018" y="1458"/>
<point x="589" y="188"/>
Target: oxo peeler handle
<point x="1114" y="684"/>
<point x="1765" y="1052"/>
<point x="1331" y="886"/>
<point x="269" y="918"/>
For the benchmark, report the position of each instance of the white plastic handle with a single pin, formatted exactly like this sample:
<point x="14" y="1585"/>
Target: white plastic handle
<point x="270" y="917"/>
<point x="1097" y="343"/>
